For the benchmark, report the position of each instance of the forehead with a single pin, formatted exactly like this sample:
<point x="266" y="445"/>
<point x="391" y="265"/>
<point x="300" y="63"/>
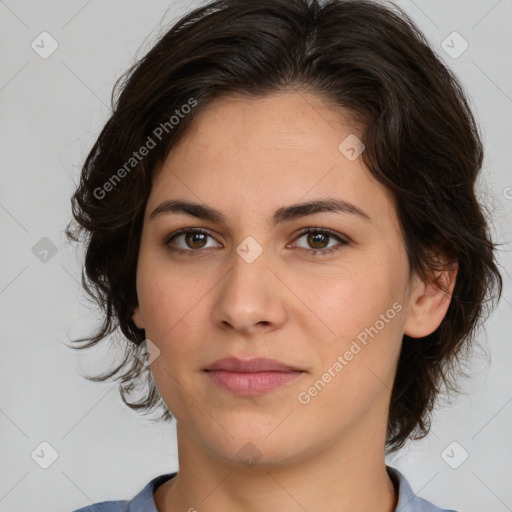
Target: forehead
<point x="280" y="149"/>
<point x="280" y="121"/>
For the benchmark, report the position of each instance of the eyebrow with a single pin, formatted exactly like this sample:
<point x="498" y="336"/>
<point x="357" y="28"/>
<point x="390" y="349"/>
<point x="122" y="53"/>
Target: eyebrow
<point x="287" y="213"/>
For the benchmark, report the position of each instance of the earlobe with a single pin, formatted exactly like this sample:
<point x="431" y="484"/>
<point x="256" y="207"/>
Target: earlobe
<point x="137" y="318"/>
<point x="429" y="303"/>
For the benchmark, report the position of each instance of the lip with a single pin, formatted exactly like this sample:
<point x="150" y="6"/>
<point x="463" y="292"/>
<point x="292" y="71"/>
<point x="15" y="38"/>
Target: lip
<point x="249" y="377"/>
<point x="253" y="365"/>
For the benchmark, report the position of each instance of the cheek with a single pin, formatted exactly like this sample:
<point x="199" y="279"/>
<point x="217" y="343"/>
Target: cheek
<point x="172" y="303"/>
<point x="350" y="298"/>
<point x="363" y="310"/>
<point x="167" y="293"/>
<point x="357" y="369"/>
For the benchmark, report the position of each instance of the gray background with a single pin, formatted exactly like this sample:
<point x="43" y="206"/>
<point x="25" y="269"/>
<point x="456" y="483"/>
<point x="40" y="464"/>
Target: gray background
<point x="52" y="110"/>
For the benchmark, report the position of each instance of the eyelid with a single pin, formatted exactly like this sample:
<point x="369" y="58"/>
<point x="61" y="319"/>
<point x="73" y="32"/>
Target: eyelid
<point x="184" y="231"/>
<point x="342" y="239"/>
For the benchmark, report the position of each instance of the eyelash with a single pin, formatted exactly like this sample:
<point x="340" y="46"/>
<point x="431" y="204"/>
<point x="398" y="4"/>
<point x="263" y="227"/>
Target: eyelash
<point x="311" y="252"/>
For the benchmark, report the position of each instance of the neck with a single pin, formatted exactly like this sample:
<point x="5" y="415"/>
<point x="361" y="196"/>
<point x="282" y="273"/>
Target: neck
<point x="344" y="476"/>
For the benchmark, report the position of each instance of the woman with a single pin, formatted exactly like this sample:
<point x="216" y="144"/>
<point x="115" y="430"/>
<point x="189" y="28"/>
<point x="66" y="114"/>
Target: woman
<point x="281" y="219"/>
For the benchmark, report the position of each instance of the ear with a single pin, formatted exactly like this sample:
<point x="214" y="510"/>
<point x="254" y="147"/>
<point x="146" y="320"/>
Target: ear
<point x="429" y="300"/>
<point x="137" y="318"/>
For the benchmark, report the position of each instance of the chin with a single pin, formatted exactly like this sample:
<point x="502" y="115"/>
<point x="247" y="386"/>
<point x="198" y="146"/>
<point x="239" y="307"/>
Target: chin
<point x="253" y="446"/>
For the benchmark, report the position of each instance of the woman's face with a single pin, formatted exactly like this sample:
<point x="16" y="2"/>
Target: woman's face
<point x="250" y="284"/>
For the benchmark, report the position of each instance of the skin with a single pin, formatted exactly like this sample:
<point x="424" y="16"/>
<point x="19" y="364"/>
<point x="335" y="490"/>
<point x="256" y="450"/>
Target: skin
<point x="247" y="157"/>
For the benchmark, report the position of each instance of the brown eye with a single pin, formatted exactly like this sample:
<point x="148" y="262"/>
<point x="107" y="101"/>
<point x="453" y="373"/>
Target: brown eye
<point x="195" y="240"/>
<point x="318" y="241"/>
<point x="188" y="240"/>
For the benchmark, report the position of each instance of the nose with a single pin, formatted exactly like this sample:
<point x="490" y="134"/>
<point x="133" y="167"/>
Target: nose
<point x="250" y="297"/>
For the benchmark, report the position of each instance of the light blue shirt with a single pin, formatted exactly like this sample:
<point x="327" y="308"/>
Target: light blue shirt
<point x="144" y="502"/>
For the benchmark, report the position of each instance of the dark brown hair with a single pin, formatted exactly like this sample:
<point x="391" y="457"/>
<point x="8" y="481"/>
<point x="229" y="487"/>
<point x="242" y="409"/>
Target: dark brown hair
<point x="421" y="139"/>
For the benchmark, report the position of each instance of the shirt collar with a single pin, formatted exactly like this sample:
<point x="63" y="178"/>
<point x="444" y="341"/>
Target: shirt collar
<point x="407" y="500"/>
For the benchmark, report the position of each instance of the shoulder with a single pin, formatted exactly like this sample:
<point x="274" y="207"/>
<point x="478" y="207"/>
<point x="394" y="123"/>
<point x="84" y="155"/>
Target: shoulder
<point x="143" y="501"/>
<point x="407" y="499"/>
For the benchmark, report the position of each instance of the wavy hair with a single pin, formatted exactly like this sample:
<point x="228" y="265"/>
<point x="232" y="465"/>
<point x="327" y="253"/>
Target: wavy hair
<point x="422" y="143"/>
